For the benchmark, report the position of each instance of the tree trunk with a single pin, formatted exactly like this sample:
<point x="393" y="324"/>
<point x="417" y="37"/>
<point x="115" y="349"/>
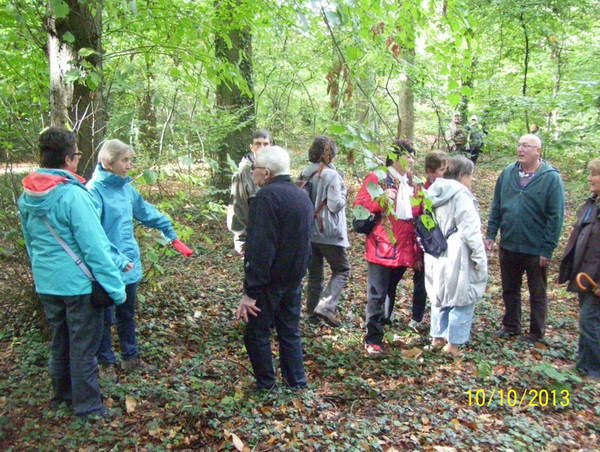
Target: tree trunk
<point x="406" y="101"/>
<point x="229" y="95"/>
<point x="77" y="103"/>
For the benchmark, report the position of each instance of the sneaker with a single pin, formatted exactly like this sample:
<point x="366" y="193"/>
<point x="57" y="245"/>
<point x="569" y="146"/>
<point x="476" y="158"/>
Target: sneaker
<point x="328" y="316"/>
<point x="505" y="334"/>
<point x="107" y="372"/>
<point x="136" y="364"/>
<point x="414" y="324"/>
<point x="373" y="349"/>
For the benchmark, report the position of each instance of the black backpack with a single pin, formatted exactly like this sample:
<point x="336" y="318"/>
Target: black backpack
<point x="430" y="237"/>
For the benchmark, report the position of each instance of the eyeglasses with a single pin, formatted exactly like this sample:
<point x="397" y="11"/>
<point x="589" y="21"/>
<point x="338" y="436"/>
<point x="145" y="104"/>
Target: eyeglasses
<point x="526" y="146"/>
<point x="254" y="167"/>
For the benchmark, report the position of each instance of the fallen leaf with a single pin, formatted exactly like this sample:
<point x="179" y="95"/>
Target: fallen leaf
<point x="412" y="353"/>
<point x="444" y="448"/>
<point x="541" y="346"/>
<point x="130" y="404"/>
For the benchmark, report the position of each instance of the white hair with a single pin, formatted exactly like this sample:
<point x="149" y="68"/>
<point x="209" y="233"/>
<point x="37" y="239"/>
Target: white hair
<point x="112" y="150"/>
<point x="275" y="159"/>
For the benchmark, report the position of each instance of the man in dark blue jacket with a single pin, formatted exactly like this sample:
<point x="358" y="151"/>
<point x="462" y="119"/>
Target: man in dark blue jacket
<point x="528" y="210"/>
<point x="276" y="259"/>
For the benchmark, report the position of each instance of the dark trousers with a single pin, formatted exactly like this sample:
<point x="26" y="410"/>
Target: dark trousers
<point x="281" y="307"/>
<point x="381" y="294"/>
<point x="419" y="300"/>
<point x="589" y="334"/>
<point x="125" y="314"/>
<point x="512" y="267"/>
<point x="76" y="330"/>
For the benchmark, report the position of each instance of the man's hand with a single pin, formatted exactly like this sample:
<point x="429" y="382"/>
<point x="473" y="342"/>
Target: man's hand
<point x="597" y="292"/>
<point x="544" y="261"/>
<point x="489" y="244"/>
<point x="128" y="267"/>
<point x="247" y="306"/>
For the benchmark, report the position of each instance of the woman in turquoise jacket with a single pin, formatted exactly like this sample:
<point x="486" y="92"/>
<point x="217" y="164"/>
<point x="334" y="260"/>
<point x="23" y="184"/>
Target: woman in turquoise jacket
<point x="56" y="194"/>
<point x="121" y="204"/>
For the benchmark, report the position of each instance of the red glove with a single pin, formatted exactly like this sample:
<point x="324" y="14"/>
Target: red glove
<point x="179" y="246"/>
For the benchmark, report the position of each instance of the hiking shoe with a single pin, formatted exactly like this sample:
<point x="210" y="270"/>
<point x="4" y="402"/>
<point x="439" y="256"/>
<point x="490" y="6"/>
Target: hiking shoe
<point x="415" y="325"/>
<point x="136" y="364"/>
<point x="373" y="349"/>
<point x="107" y="372"/>
<point x="328" y="316"/>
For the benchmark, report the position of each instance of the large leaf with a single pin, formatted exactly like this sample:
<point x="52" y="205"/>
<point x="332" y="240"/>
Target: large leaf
<point x="374" y="190"/>
<point x="360" y="213"/>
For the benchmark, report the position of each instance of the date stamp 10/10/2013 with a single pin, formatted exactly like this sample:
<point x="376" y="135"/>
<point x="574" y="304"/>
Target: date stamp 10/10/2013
<point x="521" y="398"/>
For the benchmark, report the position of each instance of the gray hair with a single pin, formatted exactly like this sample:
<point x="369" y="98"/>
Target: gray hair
<point x="113" y="150"/>
<point x="459" y="166"/>
<point x="275" y="159"/>
<point x="531" y="136"/>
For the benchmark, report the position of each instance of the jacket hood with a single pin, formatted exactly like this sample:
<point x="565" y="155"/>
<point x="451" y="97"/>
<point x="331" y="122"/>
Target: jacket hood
<point x="442" y="190"/>
<point x="247" y="160"/>
<point x="107" y="178"/>
<point x="43" y="188"/>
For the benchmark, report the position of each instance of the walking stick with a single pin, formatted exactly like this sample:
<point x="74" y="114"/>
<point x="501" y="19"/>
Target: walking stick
<point x="586" y="276"/>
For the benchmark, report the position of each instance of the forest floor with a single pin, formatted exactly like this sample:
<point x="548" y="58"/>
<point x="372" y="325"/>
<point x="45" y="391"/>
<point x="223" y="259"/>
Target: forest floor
<point x="501" y="395"/>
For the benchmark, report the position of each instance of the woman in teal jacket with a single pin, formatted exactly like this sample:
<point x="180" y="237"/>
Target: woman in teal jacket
<point x="56" y="194"/>
<point x="121" y="204"/>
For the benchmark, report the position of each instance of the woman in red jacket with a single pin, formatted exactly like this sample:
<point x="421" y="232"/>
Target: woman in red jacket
<point x="391" y="248"/>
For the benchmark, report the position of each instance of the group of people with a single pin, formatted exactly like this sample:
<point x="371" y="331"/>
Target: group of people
<point x="465" y="139"/>
<point x="284" y="228"/>
<point x="527" y="211"/>
<point x="70" y="230"/>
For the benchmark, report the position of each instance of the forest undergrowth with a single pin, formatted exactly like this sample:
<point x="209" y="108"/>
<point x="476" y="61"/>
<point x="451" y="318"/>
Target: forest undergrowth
<point x="501" y="395"/>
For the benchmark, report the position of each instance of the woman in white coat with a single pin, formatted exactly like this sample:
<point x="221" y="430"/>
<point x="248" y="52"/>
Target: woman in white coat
<point x="456" y="280"/>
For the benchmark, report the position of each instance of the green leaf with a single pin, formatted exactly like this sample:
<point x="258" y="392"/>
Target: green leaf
<point x="337" y="129"/>
<point x="68" y="37"/>
<point x="360" y="213"/>
<point x="59" y="8"/>
<point x="381" y="174"/>
<point x="93" y="81"/>
<point x="466" y="91"/>
<point x="72" y="76"/>
<point x="454" y="99"/>
<point x="149" y="177"/>
<point x="11" y="234"/>
<point x="374" y="190"/>
<point x="174" y="72"/>
<point x="303" y="22"/>
<point x="152" y="256"/>
<point x="85" y="52"/>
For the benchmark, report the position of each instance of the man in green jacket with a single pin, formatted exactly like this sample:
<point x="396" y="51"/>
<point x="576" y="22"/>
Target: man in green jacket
<point x="528" y="210"/>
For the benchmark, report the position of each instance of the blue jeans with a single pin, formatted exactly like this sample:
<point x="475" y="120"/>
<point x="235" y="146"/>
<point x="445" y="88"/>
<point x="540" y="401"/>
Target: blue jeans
<point x="125" y="329"/>
<point x="76" y="330"/>
<point x="589" y="334"/>
<point x="282" y="307"/>
<point x="452" y="323"/>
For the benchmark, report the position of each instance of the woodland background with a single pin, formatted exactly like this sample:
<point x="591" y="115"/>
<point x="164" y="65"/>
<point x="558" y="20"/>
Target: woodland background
<point x="186" y="82"/>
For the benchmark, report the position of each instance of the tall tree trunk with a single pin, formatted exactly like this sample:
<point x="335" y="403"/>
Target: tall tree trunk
<point x="525" y="65"/>
<point x="229" y="95"/>
<point x="78" y="103"/>
<point x="406" y="101"/>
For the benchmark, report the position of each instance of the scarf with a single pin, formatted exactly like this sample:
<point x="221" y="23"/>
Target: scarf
<point x="403" y="209"/>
